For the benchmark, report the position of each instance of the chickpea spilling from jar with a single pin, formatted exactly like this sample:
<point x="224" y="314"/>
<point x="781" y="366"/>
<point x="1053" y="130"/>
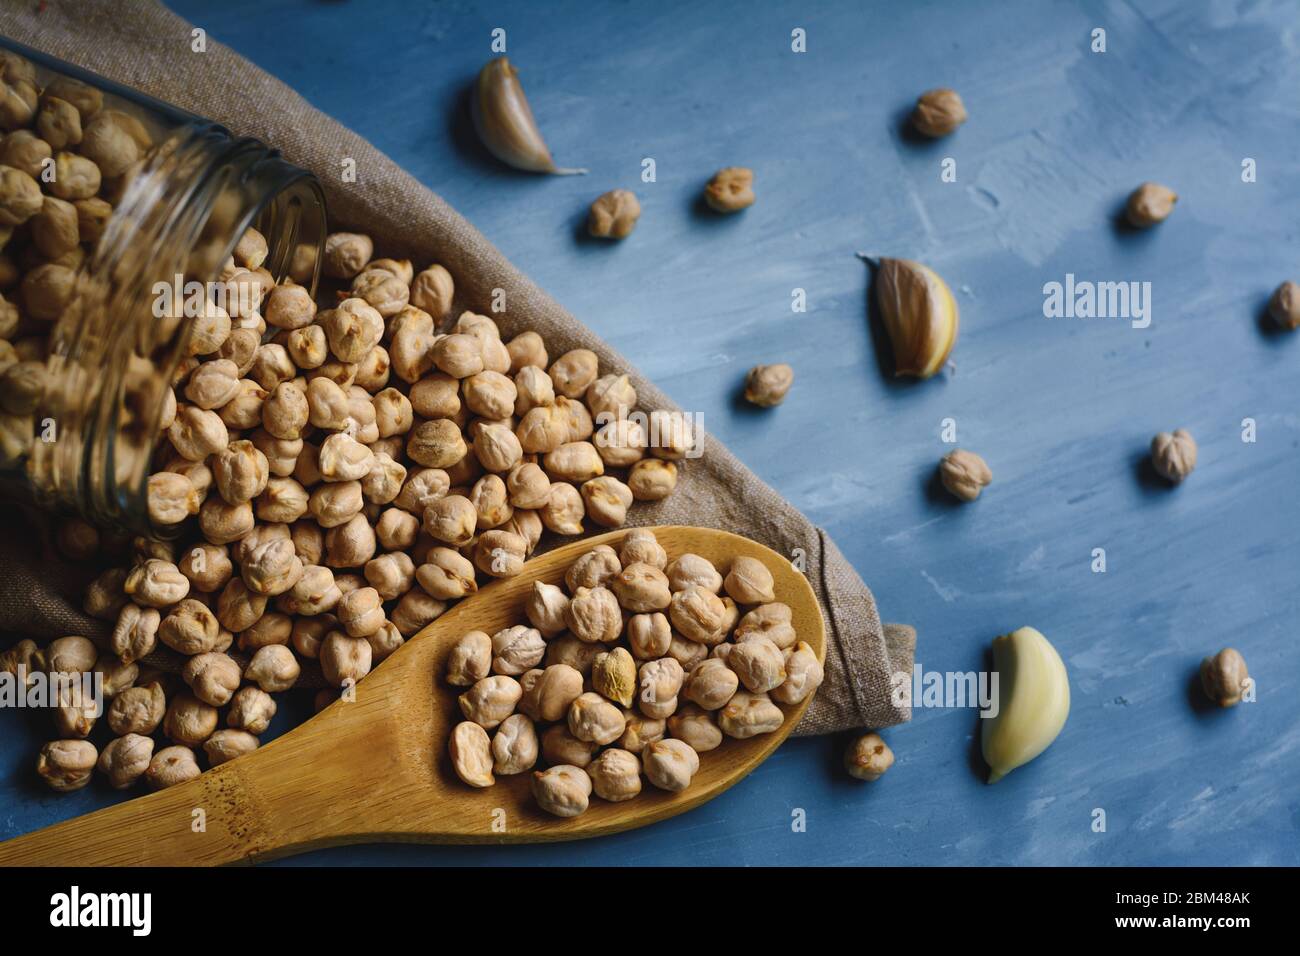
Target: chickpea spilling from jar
<point x="337" y="477"/>
<point x="634" y="668"/>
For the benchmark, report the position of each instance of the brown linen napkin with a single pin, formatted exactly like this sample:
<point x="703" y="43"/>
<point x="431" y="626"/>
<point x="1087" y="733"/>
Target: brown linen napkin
<point x="142" y="45"/>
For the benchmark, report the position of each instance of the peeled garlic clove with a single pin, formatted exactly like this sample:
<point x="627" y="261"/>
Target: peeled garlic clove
<point x="1033" y="701"/>
<point x="505" y="123"/>
<point x="920" y="315"/>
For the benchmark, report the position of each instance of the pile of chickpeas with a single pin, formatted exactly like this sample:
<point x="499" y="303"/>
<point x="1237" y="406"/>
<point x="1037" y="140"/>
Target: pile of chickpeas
<point x="335" y="475"/>
<point x="635" y="667"/>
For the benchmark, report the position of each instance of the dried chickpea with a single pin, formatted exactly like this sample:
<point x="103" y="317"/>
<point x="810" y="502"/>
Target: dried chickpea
<point x="514" y="745"/>
<point x="436" y="444"/>
<point x="213" y="678"/>
<point x="804" y="674"/>
<point x="607" y="500"/>
<point x="767" y="385"/>
<point x="67" y="765"/>
<point x="125" y="759"/>
<point x="75" y="177"/>
<point x="361" y="612"/>
<point x="471" y="754"/>
<point x="749" y="581"/>
<point x="614" y="676"/>
<point x="649" y="635"/>
<point x="695" y="727"/>
<point x="458" y="355"/>
<point x="470" y="659"/>
<point x="223" y="523"/>
<point x="336" y="503"/>
<point x="561" y="747"/>
<point x="691" y="569"/>
<point x="346" y="254"/>
<point x="156" y="583"/>
<point x="1224" y="677"/>
<point x="594" y="719"/>
<point x="516" y="650"/>
<point x="641" y="730"/>
<point x="137" y="710"/>
<point x="747" y="715"/>
<point x="549" y="692"/>
<point x="772" y="621"/>
<point x="652" y="479"/>
<point x="197" y="433"/>
<point x="564" y="510"/>
<point x="274" y="668"/>
<point x="613" y="215"/>
<point x="639" y="546"/>
<point x="593" y="615"/>
<point x="595" y="568"/>
<point x="497" y="448"/>
<point x="226" y="745"/>
<point x="189" y="628"/>
<point x="432" y="291"/>
<point x="171" y="766"/>
<point x="546" y="607"/>
<point x="343" y="458"/>
<point x="415" y="611"/>
<point x="641" y="588"/>
<point x="697" y="613"/>
<point x="574" y="371"/>
<point x="730" y="190"/>
<point x="285" y="412"/>
<point x="272" y="567"/>
<point x="491" y="501"/>
<point x="659" y="683"/>
<point x="135" y="634"/>
<point x="567" y="649"/>
<point x="446" y="574"/>
<point x="711" y="684"/>
<point x="281" y="453"/>
<point x="615" y="775"/>
<point x="172" y="498"/>
<point x="104" y="596"/>
<point x="240" y="472"/>
<point x="868" y="757"/>
<point x="670" y="764"/>
<point x="562" y="790"/>
<point x="451" y="520"/>
<point x="500" y="554"/>
<point x="189" y="721"/>
<point x="251" y="709"/>
<point x="238" y="608"/>
<point x="491" y="700"/>
<point x="383" y="291"/>
<point x="759" y="664"/>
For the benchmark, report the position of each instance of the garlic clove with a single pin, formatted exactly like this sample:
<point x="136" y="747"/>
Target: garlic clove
<point x="920" y="315"/>
<point x="505" y="123"/>
<point x="1033" y="700"/>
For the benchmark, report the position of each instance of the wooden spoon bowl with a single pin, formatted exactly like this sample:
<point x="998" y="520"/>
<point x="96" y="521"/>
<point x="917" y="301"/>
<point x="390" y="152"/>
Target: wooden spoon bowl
<point x="377" y="769"/>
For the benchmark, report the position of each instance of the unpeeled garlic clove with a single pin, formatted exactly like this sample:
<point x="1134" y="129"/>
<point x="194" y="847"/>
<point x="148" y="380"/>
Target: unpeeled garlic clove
<point x="920" y="315"/>
<point x="505" y="122"/>
<point x="1033" y="701"/>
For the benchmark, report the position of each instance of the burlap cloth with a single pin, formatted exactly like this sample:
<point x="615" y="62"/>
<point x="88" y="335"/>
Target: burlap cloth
<point x="142" y="45"/>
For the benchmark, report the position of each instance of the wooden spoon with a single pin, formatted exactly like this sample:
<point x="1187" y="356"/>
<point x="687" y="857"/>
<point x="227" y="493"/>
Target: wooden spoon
<point x="376" y="769"/>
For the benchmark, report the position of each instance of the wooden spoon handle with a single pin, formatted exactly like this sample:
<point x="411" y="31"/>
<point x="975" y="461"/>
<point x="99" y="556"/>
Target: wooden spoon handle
<point x="209" y="820"/>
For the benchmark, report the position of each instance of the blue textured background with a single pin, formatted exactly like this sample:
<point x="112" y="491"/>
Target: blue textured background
<point x="1062" y="410"/>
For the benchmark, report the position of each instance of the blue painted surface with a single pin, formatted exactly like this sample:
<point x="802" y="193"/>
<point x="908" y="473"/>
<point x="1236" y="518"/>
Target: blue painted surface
<point x="1061" y="409"/>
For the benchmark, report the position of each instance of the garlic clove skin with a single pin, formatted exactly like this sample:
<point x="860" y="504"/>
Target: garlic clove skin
<point x="920" y="315"/>
<point x="1033" y="701"/>
<point x="505" y="123"/>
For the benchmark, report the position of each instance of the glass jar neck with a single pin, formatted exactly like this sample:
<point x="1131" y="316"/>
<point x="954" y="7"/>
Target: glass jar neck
<point x="115" y="353"/>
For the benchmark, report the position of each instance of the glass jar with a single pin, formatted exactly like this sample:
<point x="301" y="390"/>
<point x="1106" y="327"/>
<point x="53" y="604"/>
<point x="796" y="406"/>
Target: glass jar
<point x="118" y="219"/>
